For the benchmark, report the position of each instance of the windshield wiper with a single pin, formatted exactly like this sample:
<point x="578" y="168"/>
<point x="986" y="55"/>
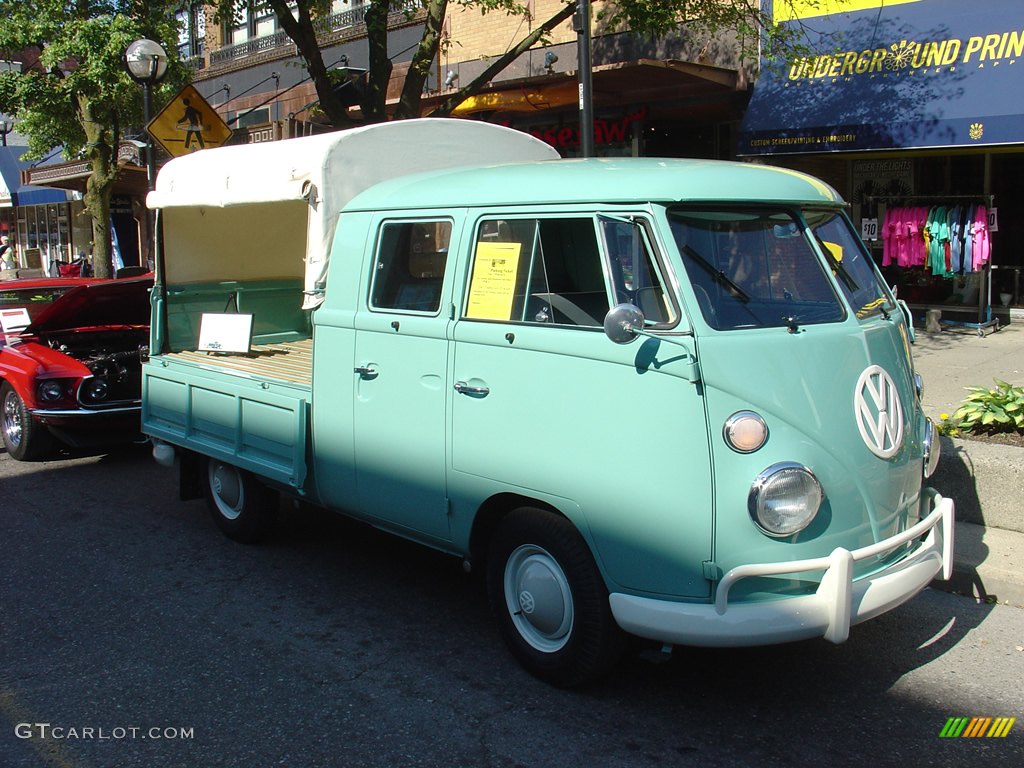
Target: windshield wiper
<point x="718" y="275"/>
<point x="837" y="266"/>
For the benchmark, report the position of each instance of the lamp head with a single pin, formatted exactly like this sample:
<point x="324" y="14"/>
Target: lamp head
<point x="146" y="61"/>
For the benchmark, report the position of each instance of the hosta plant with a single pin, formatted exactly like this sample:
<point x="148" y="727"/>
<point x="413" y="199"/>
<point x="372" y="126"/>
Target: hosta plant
<point x="1000" y="409"/>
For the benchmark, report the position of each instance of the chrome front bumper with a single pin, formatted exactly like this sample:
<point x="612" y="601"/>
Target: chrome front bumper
<point x="87" y="413"/>
<point x="839" y="602"/>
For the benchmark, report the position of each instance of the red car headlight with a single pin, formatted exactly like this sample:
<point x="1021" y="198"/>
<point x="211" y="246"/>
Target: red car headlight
<point x="51" y="390"/>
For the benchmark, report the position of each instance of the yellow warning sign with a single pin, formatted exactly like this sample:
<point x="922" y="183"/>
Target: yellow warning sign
<point x="188" y="124"/>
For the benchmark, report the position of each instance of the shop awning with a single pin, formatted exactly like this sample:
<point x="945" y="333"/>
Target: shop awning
<point x="894" y="75"/>
<point x="13" y="192"/>
<point x="641" y="81"/>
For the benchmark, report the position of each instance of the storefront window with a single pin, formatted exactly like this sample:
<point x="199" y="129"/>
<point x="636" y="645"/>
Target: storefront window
<point x="43" y="234"/>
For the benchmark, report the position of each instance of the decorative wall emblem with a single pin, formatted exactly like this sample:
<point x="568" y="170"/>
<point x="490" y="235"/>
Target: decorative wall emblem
<point x="879" y="412"/>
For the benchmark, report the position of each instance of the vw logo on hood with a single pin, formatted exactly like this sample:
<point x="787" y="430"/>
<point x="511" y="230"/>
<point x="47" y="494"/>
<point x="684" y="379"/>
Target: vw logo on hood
<point x="879" y="412"/>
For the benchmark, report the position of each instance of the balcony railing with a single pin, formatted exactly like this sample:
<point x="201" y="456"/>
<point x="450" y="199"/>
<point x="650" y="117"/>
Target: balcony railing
<point x="327" y="25"/>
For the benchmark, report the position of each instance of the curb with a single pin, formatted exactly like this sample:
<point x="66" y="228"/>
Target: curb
<point x="986" y="565"/>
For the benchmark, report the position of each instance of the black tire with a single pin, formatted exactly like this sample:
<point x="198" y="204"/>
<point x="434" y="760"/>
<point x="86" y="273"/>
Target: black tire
<point x="242" y="507"/>
<point x="550" y="600"/>
<point x="24" y="438"/>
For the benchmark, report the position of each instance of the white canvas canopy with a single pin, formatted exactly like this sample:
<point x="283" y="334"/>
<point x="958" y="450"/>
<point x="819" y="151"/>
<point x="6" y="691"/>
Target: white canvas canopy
<point x="325" y="171"/>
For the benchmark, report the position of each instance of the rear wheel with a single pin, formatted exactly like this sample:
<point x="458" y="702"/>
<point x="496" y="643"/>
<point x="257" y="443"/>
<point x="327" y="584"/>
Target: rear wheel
<point x="243" y="508"/>
<point x="550" y="600"/>
<point x="24" y="438"/>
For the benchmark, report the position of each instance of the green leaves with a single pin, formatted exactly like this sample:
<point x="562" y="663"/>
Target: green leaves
<point x="1000" y="409"/>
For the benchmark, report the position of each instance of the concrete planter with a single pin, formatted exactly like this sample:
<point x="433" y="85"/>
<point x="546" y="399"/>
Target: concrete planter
<point x="985" y="481"/>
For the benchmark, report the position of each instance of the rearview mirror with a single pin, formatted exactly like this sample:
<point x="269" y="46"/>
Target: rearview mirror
<point x="623" y="323"/>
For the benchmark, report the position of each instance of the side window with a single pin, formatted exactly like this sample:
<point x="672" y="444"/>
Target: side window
<point x="409" y="266"/>
<point x="538" y="271"/>
<point x="634" y="269"/>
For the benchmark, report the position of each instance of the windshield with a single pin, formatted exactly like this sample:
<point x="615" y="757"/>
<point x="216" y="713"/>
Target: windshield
<point x="759" y="269"/>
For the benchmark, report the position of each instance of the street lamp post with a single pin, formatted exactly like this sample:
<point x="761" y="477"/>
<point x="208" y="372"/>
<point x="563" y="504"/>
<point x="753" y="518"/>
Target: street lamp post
<point x="582" y="24"/>
<point x="146" y="61"/>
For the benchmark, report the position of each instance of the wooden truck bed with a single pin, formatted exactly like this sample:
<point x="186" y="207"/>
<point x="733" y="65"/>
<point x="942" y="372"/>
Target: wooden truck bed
<point x="290" y="361"/>
<point x="251" y="411"/>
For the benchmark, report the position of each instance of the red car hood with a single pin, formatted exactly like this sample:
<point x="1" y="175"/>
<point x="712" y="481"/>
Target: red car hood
<point x="118" y="302"/>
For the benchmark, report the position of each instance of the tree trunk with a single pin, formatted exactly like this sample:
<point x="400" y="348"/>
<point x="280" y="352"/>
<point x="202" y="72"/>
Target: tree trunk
<point x="101" y="138"/>
<point x="419" y="68"/>
<point x="374" y="101"/>
<point x="303" y="34"/>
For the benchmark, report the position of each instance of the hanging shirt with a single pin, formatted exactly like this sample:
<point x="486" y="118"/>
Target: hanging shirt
<point x="981" y="247"/>
<point x="956" y="214"/>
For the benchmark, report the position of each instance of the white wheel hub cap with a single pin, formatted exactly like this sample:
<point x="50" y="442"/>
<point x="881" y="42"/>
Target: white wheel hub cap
<point x="539" y="599"/>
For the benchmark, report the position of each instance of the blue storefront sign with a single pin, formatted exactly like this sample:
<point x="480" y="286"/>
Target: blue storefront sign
<point x="894" y="75"/>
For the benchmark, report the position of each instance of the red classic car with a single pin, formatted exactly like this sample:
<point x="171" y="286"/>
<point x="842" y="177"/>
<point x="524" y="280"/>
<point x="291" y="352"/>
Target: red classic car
<point x="70" y="361"/>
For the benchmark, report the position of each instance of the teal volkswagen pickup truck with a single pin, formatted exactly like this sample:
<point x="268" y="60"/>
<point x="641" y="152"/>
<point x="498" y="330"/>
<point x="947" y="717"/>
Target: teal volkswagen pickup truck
<point x="671" y="399"/>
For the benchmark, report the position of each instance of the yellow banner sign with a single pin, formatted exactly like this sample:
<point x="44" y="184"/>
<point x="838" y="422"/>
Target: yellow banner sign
<point x="788" y="10"/>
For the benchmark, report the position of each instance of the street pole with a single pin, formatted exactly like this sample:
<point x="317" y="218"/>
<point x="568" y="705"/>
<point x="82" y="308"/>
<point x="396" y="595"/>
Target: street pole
<point x="147" y="112"/>
<point x="146" y="61"/>
<point x="582" y="24"/>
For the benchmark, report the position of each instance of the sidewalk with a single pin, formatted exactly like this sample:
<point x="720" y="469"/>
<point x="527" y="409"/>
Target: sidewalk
<point x="985" y="481"/>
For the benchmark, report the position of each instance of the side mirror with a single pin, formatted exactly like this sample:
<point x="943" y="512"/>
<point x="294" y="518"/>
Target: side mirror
<point x="623" y="323"/>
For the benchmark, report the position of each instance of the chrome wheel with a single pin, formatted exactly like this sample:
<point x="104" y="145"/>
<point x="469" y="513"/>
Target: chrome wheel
<point x="12" y="419"/>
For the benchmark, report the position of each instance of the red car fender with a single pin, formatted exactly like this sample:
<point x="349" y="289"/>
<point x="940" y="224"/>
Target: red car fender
<point x="22" y="364"/>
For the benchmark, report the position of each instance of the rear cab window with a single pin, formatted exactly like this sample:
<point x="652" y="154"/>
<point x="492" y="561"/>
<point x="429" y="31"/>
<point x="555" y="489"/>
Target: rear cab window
<point x="409" y="266"/>
<point x="761" y="268"/>
<point x="565" y="271"/>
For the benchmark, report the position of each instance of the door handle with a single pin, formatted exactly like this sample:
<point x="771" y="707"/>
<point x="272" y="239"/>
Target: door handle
<point x="465" y="389"/>
<point x="366" y="372"/>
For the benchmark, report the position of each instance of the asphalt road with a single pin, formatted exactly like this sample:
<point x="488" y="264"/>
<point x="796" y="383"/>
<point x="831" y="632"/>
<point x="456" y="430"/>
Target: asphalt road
<point x="134" y="635"/>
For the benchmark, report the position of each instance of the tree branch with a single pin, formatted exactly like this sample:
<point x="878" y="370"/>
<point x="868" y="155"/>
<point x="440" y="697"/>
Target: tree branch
<point x="478" y="83"/>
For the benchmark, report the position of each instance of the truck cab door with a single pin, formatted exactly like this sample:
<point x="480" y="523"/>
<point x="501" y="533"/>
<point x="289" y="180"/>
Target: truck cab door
<point x="547" y="407"/>
<point x="401" y="368"/>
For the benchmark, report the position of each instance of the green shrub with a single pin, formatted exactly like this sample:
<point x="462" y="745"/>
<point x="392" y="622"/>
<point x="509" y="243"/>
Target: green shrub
<point x="1000" y="409"/>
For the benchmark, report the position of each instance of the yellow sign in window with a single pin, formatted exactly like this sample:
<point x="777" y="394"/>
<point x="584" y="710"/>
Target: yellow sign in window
<point x="492" y="289"/>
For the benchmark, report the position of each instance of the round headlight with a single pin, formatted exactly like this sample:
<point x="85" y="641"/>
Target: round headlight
<point x="784" y="499"/>
<point x="50" y="391"/>
<point x="745" y="431"/>
<point x="932" y="450"/>
<point x="95" y="389"/>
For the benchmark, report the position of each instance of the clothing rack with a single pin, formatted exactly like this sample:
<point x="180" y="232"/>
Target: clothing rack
<point x="985" y="319"/>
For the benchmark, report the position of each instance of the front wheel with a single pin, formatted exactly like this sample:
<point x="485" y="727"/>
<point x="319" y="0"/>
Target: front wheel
<point x="550" y="600"/>
<point x="24" y="439"/>
<point x="243" y="508"/>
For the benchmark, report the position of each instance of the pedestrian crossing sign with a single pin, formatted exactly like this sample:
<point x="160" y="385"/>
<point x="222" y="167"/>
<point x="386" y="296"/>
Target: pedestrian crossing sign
<point x="187" y="124"/>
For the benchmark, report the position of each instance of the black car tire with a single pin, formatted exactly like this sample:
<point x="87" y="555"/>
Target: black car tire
<point x="243" y="508"/>
<point x="550" y="600"/>
<point x="24" y="438"/>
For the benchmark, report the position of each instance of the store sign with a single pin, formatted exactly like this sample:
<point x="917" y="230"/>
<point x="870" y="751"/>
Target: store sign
<point x="606" y="132"/>
<point x="884" y="75"/>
